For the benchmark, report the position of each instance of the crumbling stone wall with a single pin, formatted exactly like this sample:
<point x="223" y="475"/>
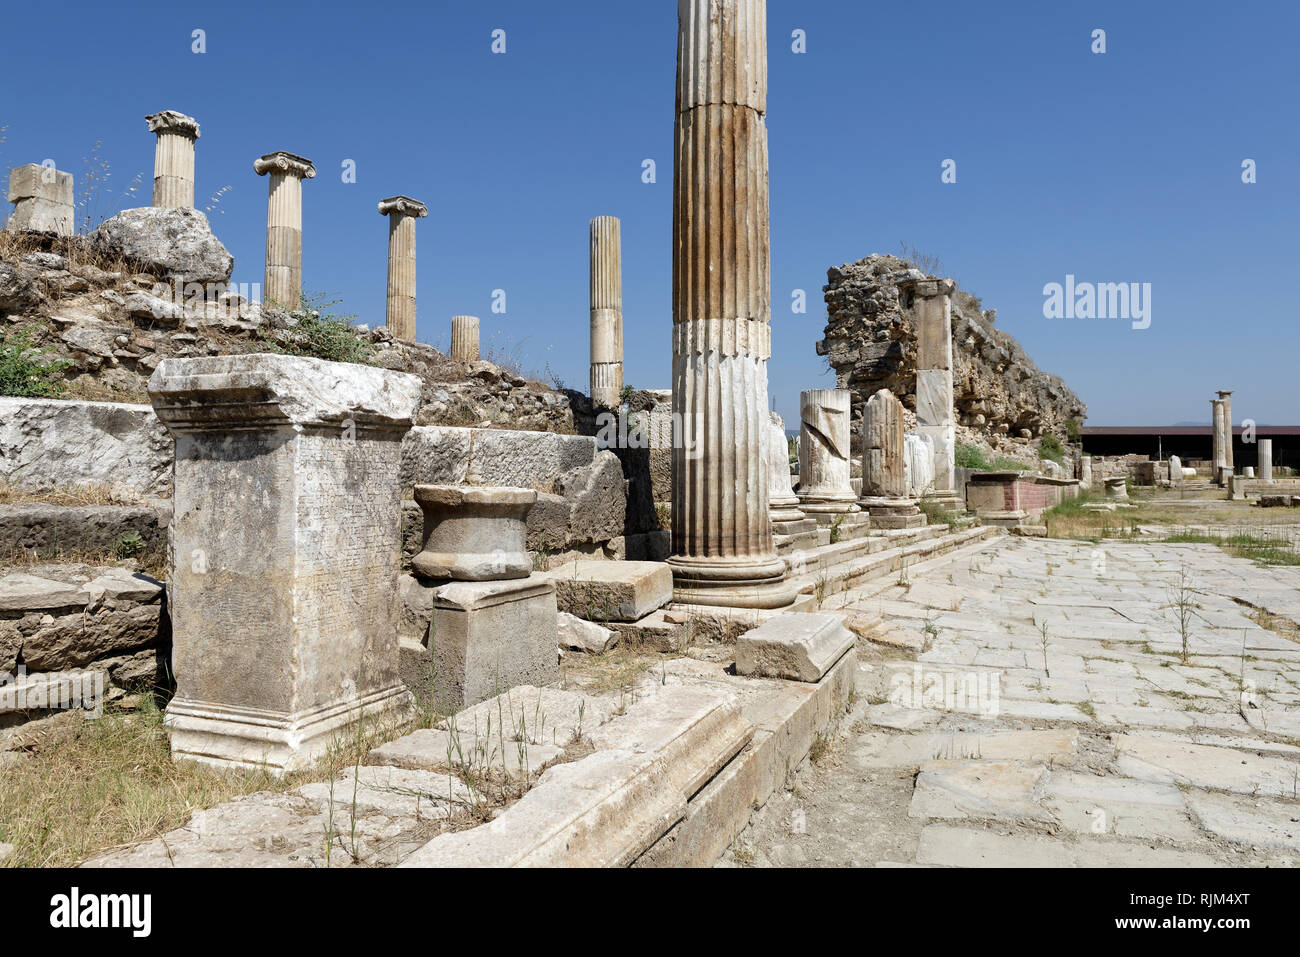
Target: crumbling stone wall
<point x="870" y="342"/>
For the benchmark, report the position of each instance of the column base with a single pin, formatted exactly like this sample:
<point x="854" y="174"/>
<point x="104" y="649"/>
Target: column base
<point x="830" y="506"/>
<point x="893" y="513"/>
<point x="227" y="737"/>
<point x="731" y="583"/>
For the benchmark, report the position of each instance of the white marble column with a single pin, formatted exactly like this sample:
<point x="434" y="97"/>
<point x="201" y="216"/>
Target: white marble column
<point x="1226" y="397"/>
<point x="606" y="311"/>
<point x="824" y="466"/>
<point x="723" y="550"/>
<point x="173" y="158"/>
<point x="464" y="338"/>
<point x="1265" y="460"/>
<point x="1220" y="459"/>
<point x="284" y="226"/>
<point x="884" y="472"/>
<point x="930" y="298"/>
<point x="402" y="212"/>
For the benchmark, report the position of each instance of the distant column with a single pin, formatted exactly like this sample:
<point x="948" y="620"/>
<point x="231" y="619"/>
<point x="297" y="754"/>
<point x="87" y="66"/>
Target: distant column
<point x="884" y="471"/>
<point x="42" y="198"/>
<point x="173" y="159"/>
<point x="284" y="226"/>
<point x="1220" y="456"/>
<point x="824" y="465"/>
<point x="1228" y="430"/>
<point x="464" y="338"/>
<point x="1265" y="460"/>
<point x="402" y="212"/>
<point x="606" y="311"/>
<point x="934" y="406"/>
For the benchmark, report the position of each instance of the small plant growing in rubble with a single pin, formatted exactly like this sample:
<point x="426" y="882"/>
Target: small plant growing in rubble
<point x="316" y="333"/>
<point x="1182" y="601"/>
<point x="1043" y="629"/>
<point x="23" y="370"/>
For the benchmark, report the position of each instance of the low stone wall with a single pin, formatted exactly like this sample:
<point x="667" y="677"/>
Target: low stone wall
<point x="53" y="443"/>
<point x="1016" y="494"/>
<point x="55" y="619"/>
<point x="41" y="528"/>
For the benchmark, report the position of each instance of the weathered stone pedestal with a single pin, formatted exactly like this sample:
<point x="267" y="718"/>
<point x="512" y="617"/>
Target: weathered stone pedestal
<point x="284" y="554"/>
<point x="494" y="624"/>
<point x="884" y="471"/>
<point x="474" y="534"/>
<point x="1117" y="488"/>
<point x="43" y="200"/>
<point x="490" y="637"/>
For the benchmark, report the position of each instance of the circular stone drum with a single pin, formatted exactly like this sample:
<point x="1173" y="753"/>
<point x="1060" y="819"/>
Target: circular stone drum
<point x="474" y="534"/>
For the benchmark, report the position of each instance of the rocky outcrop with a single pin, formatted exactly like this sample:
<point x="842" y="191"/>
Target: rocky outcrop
<point x="114" y="327"/>
<point x="175" y="243"/>
<point x="870" y="342"/>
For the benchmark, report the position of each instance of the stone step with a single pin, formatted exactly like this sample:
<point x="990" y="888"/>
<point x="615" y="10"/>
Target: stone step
<point x="845" y="575"/>
<point x="607" y="809"/>
<point x="827" y="556"/>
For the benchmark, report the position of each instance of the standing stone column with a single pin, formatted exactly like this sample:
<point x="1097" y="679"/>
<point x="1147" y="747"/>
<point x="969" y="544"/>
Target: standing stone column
<point x="1175" y="471"/>
<point x="1265" y="460"/>
<point x="402" y="212"/>
<point x="1228" y="436"/>
<point x="284" y="226"/>
<point x="1085" y="471"/>
<point x="930" y="298"/>
<point x="884" y="472"/>
<point x="42" y="198"/>
<point x="791" y="528"/>
<point x="606" y="311"/>
<point x="285" y="548"/>
<point x="173" y="159"/>
<point x="464" y="338"/>
<point x="1220" y="460"/>
<point x="824" y="467"/>
<point x="723" y="550"/>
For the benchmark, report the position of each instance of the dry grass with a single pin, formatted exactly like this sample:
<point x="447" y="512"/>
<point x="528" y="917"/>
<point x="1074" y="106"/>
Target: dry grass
<point x="151" y="561"/>
<point x="77" y="250"/>
<point x="616" y="670"/>
<point x="65" y="495"/>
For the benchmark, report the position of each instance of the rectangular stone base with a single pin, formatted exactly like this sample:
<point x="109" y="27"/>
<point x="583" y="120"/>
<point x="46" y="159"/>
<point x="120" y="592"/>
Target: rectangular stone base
<point x="226" y="737"/>
<point x="1003" y="519"/>
<point x="489" y="637"/>
<point x="887" y="518"/>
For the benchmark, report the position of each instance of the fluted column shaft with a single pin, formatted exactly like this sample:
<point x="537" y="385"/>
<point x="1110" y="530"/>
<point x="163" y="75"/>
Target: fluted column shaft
<point x="173" y="159"/>
<point x="1265" y="460"/>
<point x="284" y="226"/>
<point x="1227" y="432"/>
<point x="606" y="311"/>
<point x="723" y="552"/>
<point x="402" y="212"/>
<point x="464" y="338"/>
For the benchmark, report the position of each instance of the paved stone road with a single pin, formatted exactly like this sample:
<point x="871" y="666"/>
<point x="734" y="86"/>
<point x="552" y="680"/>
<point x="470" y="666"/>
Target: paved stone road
<point x="1111" y="753"/>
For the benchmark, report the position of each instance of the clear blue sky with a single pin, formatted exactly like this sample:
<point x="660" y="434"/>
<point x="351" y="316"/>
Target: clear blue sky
<point x="1122" y="167"/>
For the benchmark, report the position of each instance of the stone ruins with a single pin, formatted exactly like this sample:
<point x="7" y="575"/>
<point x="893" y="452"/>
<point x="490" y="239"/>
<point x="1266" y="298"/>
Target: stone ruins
<point x="514" y="634"/>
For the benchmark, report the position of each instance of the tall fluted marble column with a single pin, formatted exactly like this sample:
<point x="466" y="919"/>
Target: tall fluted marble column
<point x="173" y="158"/>
<point x="723" y="551"/>
<point x="284" y="226"/>
<point x="402" y="212"/>
<point x="606" y="311"/>
<point x="1265" y="471"/>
